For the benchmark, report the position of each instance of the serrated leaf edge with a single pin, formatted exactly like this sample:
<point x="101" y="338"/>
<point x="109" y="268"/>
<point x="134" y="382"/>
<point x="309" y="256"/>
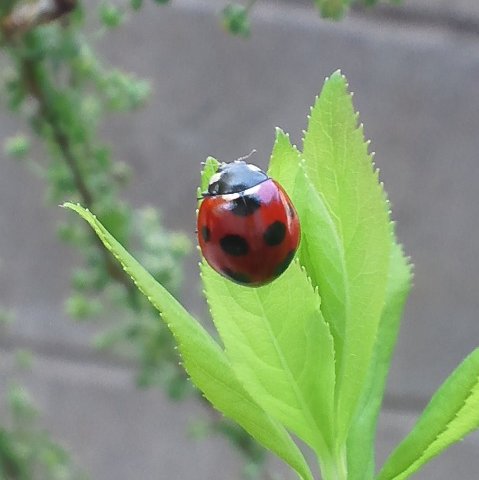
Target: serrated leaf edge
<point x="423" y="458"/>
<point x="100" y="229"/>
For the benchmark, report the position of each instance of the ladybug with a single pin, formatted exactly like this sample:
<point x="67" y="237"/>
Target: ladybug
<point x="248" y="229"/>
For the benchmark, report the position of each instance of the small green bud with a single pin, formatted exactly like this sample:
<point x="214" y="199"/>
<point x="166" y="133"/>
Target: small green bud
<point x="110" y="15"/>
<point x="138" y="92"/>
<point x="121" y="172"/>
<point x="21" y="403"/>
<point x="180" y="244"/>
<point x="17" y="146"/>
<point x="24" y="359"/>
<point x="235" y="20"/>
<point x="85" y="62"/>
<point x="82" y="279"/>
<point x="15" y="93"/>
<point x="136" y="4"/>
<point x="80" y="307"/>
<point x="332" y="9"/>
<point x="90" y="108"/>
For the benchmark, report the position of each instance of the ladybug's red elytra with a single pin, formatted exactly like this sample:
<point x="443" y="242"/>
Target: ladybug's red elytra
<point x="248" y="229"/>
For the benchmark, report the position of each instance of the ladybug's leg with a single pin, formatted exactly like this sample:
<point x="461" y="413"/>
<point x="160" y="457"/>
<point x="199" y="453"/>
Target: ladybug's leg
<point x="244" y="201"/>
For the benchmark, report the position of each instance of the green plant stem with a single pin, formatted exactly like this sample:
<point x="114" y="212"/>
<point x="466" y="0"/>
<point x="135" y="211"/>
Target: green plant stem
<point x="334" y="467"/>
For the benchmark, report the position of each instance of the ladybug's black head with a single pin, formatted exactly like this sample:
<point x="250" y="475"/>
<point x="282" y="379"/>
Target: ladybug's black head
<point x="235" y="177"/>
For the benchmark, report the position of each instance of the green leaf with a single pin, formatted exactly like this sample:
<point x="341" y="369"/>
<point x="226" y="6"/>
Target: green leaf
<point x="452" y="413"/>
<point x="284" y="163"/>
<point x="210" y="168"/>
<point x="280" y="348"/>
<point x="333" y="9"/>
<point x="340" y="168"/>
<point x="362" y="434"/>
<point x="203" y="359"/>
<point x="321" y="251"/>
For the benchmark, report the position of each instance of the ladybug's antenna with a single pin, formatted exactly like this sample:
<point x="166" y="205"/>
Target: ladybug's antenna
<point x="247" y="156"/>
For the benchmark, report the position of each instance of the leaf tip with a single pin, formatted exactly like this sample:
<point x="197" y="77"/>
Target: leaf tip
<point x="280" y="135"/>
<point x="70" y="205"/>
<point x="337" y="74"/>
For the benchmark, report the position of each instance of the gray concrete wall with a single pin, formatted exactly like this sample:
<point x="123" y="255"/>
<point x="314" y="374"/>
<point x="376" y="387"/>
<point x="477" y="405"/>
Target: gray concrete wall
<point x="414" y="71"/>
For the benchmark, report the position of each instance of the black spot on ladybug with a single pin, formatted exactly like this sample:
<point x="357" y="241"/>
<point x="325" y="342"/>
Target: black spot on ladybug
<point x="234" y="245"/>
<point x="245" y="205"/>
<point x="284" y="264"/>
<point x="236" y="276"/>
<point x="275" y="234"/>
<point x="205" y="233"/>
<point x="291" y="211"/>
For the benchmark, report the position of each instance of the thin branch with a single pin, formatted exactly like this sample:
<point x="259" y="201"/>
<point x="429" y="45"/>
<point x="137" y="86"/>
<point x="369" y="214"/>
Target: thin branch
<point x="30" y="15"/>
<point x="63" y="142"/>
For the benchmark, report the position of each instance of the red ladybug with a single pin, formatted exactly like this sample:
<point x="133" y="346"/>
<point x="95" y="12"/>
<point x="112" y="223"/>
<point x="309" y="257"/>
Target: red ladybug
<point x="248" y="229"/>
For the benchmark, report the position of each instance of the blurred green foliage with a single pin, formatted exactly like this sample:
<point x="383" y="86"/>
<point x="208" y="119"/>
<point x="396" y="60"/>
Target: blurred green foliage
<point x="59" y="85"/>
<point x="27" y="450"/>
<point x="235" y="18"/>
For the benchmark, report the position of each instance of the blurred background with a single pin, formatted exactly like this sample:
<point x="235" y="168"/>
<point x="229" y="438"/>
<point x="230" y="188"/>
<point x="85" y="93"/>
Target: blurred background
<point x="414" y="68"/>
